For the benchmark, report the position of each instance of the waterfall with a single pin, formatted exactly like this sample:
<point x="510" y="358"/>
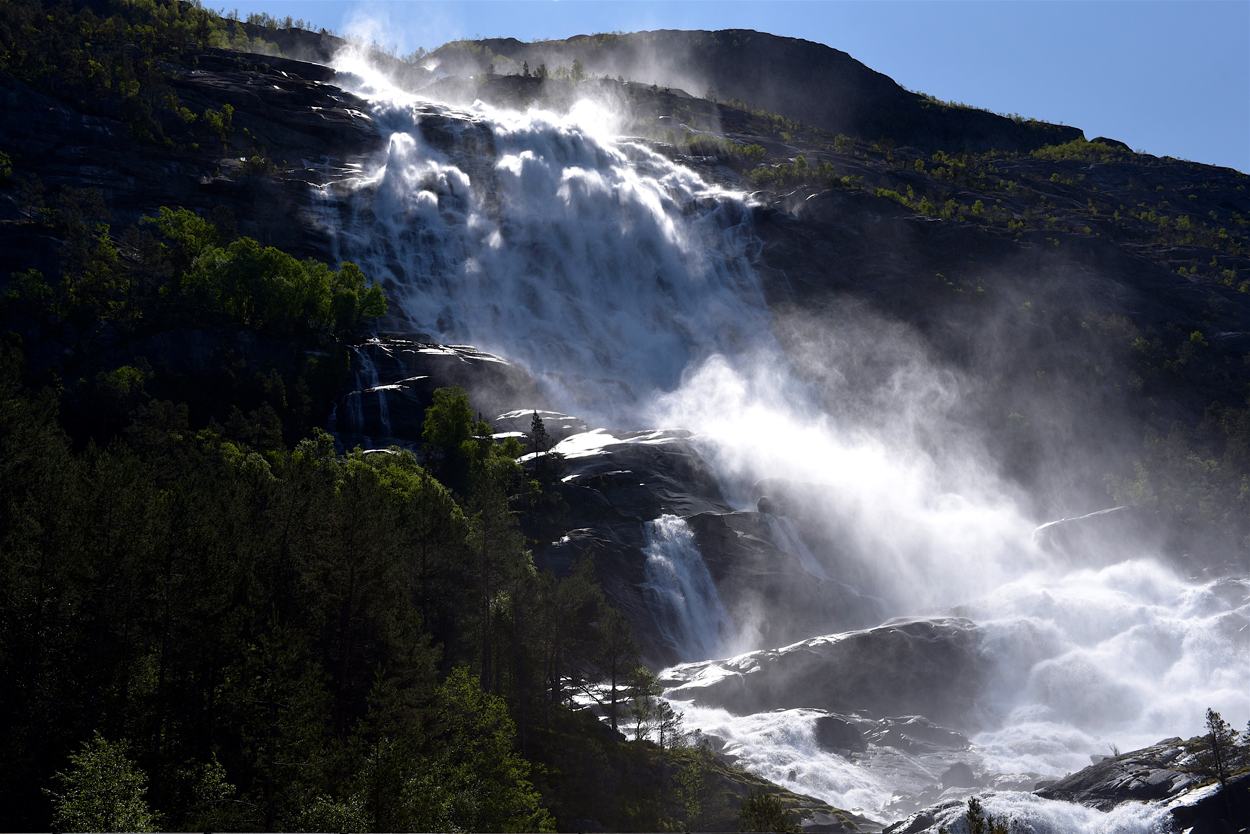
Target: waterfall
<point x="364" y="415"/>
<point x="595" y="261"/>
<point x="687" y="607"/>
<point x="624" y="283"/>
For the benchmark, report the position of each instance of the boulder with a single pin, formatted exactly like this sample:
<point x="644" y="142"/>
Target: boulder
<point x="835" y="734"/>
<point x="930" y="667"/>
<point x="959" y="775"/>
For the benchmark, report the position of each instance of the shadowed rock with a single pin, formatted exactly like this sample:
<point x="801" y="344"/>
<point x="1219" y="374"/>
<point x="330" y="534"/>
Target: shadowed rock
<point x="903" y="667"/>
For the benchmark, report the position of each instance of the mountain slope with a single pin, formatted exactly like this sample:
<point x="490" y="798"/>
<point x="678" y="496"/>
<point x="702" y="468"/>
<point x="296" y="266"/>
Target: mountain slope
<point x="798" y="79"/>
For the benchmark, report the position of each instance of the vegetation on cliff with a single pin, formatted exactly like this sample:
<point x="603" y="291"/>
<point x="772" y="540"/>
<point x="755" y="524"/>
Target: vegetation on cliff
<point x="248" y="633"/>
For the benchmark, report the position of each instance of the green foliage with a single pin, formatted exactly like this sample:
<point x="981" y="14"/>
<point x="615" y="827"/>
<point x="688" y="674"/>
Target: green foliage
<point x="111" y="58"/>
<point x="1084" y="150"/>
<point x="798" y="173"/>
<point x="763" y="812"/>
<point x="978" y="821"/>
<point x="1219" y="754"/>
<point x="448" y="435"/>
<point x="265" y="289"/>
<point x="485" y="783"/>
<point x="190" y="234"/>
<point x="220" y="121"/>
<point x="102" y="791"/>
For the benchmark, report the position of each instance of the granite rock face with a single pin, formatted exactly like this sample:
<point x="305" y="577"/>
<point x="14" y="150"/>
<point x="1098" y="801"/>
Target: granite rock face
<point x="395" y="380"/>
<point x="929" y="667"/>
<point x="1150" y="774"/>
<point x="284" y="109"/>
<point x="799" y="79"/>
<point x="757" y="561"/>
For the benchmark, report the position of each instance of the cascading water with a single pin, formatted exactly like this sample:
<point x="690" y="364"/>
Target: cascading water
<point x="602" y="266"/>
<point x="687" y="607"/>
<point x="623" y="282"/>
<point x="368" y="395"/>
<point x="1082" y="664"/>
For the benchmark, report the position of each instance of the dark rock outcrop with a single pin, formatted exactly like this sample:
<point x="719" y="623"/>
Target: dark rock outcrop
<point x="959" y="775"/>
<point x="283" y="109"/>
<point x="613" y="483"/>
<point x="903" y="667"/>
<point x="395" y="380"/>
<point x="916" y="734"/>
<point x="744" y="554"/>
<point x="835" y="733"/>
<point x="1159" y="775"/>
<point x="1150" y="774"/>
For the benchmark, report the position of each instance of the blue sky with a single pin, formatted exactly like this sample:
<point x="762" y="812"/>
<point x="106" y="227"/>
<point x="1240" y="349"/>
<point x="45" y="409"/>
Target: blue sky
<point x="1169" y="78"/>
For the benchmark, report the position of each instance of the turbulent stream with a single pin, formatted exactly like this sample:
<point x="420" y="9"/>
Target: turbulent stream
<point x="623" y="282"/>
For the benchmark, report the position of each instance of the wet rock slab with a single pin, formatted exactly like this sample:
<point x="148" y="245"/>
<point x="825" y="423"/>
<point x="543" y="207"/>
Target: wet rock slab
<point x="395" y="381"/>
<point x="930" y="667"/>
<point x="1152" y="773"/>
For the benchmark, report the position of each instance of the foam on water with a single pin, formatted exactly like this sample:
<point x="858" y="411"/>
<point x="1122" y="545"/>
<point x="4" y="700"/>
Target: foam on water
<point x="1046" y="816"/>
<point x="1115" y="658"/>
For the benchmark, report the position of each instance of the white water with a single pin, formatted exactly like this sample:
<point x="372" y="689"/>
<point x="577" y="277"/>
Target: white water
<point x="1045" y="816"/>
<point x="623" y="282"/>
<point x="689" y="610"/>
<point x="598" y="264"/>
<point x="1116" y="657"/>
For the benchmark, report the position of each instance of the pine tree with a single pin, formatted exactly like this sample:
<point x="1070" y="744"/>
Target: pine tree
<point x="103" y="791"/>
<point x="763" y="812"/>
<point x="1218" y="755"/>
<point x="540" y="441"/>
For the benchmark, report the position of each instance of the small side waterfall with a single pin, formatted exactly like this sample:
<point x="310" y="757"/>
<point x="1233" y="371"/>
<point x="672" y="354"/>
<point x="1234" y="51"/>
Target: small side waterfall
<point x="363" y="415"/>
<point x="688" y="609"/>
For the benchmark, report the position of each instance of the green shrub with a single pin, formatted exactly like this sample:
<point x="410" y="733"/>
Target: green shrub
<point x="266" y="289"/>
<point x="763" y="812"/>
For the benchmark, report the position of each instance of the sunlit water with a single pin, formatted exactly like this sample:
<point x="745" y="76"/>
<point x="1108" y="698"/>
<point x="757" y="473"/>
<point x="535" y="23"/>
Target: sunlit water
<point x="624" y="282"/>
<point x="687" y="606"/>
